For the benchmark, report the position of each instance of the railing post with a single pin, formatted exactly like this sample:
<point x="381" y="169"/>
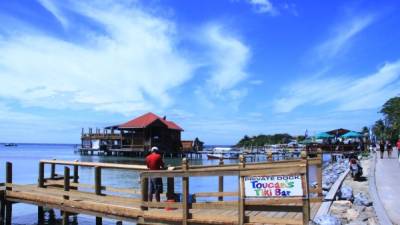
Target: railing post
<point x="66" y="181"/>
<point x="170" y="187"/>
<point x="221" y="182"/>
<point x="241" y="209"/>
<point x="319" y="172"/>
<point x="41" y="175"/>
<point x="306" y="192"/>
<point x="9" y="178"/>
<point x="53" y="170"/>
<point x="185" y="193"/>
<point x="144" y="183"/>
<point x="97" y="181"/>
<point x="76" y="173"/>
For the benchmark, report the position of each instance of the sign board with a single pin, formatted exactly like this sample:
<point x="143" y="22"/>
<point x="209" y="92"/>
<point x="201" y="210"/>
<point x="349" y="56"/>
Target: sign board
<point x="273" y="186"/>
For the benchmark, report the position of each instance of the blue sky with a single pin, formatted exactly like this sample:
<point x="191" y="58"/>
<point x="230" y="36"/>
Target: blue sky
<point x="220" y="69"/>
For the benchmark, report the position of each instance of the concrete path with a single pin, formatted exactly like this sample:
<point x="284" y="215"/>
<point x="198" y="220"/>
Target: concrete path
<point x="387" y="178"/>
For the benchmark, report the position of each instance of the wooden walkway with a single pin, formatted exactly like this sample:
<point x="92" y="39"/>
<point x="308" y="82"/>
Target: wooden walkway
<point x="58" y="192"/>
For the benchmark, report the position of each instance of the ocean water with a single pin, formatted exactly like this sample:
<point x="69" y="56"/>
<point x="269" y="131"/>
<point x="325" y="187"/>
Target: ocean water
<point x="25" y="159"/>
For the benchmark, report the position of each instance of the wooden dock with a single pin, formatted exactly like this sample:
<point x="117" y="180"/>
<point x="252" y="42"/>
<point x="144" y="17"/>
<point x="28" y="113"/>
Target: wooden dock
<point x="71" y="197"/>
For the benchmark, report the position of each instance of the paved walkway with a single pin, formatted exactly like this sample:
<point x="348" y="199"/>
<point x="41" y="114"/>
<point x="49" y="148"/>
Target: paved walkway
<point x="387" y="178"/>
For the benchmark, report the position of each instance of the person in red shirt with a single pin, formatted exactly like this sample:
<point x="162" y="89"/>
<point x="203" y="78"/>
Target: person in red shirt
<point x="154" y="162"/>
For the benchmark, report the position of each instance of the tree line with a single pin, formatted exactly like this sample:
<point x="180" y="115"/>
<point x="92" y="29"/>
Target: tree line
<point x="262" y="139"/>
<point x="388" y="128"/>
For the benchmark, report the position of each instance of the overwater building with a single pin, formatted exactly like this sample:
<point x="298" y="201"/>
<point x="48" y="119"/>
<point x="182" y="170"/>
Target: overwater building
<point x="137" y="135"/>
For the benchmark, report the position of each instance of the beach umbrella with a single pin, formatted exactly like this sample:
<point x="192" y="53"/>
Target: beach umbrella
<point x="351" y="134"/>
<point x="323" y="135"/>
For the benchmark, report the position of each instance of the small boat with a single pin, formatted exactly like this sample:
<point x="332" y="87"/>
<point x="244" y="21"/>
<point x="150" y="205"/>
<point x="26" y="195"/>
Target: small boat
<point x="10" y="145"/>
<point x="223" y="153"/>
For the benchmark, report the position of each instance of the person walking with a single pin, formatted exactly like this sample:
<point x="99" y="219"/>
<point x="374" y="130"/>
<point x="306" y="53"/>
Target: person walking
<point x="389" y="148"/>
<point x="381" y="148"/>
<point x="154" y="162"/>
<point x="398" y="148"/>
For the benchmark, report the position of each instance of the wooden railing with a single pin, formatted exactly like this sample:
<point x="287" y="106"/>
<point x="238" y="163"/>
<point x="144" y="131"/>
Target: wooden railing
<point x="287" y="204"/>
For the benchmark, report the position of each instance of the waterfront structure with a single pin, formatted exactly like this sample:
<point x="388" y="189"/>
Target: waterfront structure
<point x="135" y="136"/>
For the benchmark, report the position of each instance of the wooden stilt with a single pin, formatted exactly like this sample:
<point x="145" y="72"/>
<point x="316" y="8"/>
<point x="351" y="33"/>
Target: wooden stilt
<point x="65" y="218"/>
<point x="40" y="215"/>
<point x="8" y="212"/>
<point x="99" y="221"/>
<point x="2" y="207"/>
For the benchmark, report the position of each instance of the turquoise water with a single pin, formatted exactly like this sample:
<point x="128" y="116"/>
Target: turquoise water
<point x="26" y="157"/>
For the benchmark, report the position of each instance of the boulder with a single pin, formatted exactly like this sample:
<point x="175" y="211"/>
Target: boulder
<point x="346" y="193"/>
<point x="340" y="207"/>
<point x="362" y="199"/>
<point x="327" y="220"/>
<point x="351" y="214"/>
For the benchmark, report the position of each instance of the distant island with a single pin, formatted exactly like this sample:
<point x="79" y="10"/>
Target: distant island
<point x="262" y="140"/>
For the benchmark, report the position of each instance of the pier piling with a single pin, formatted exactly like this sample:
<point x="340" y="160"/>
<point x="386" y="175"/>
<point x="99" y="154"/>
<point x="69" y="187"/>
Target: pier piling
<point x="2" y="206"/>
<point x="9" y="178"/>
<point x="41" y="175"/>
<point x="97" y="183"/>
<point x="40" y="215"/>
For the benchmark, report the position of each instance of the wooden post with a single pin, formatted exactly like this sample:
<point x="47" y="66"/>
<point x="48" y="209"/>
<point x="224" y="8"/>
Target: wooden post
<point x="9" y="178"/>
<point x="241" y="208"/>
<point x="66" y="181"/>
<point x="221" y="181"/>
<point x="269" y="156"/>
<point x="97" y="181"/>
<point x="65" y="218"/>
<point x="99" y="221"/>
<point x="53" y="170"/>
<point x="76" y="173"/>
<point x="185" y="194"/>
<point x="319" y="172"/>
<point x="41" y="175"/>
<point x="40" y="215"/>
<point x="2" y="207"/>
<point x="306" y="192"/>
<point x="170" y="186"/>
<point x="144" y="183"/>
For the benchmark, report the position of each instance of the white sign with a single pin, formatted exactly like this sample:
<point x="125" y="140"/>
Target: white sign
<point x="273" y="186"/>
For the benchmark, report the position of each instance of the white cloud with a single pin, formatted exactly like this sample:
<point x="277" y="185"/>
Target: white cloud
<point x="130" y="65"/>
<point x="342" y="36"/>
<point x="367" y="92"/>
<point x="55" y="11"/>
<point x="229" y="58"/>
<point x="263" y="6"/>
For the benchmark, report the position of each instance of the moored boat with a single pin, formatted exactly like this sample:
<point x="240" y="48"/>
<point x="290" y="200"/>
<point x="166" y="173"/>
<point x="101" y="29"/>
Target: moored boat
<point x="223" y="153"/>
<point x="10" y="145"/>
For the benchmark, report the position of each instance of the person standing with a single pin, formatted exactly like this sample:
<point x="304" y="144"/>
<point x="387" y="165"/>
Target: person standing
<point x="389" y="148"/>
<point x="154" y="162"/>
<point x="382" y="148"/>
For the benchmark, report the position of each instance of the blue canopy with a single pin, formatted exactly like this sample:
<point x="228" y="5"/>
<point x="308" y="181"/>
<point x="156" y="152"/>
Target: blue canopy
<point x="351" y="134"/>
<point x="323" y="135"/>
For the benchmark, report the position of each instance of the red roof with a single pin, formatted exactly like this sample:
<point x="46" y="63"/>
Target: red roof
<point x="147" y="119"/>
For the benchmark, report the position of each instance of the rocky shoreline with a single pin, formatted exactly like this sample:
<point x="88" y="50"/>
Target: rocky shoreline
<point x="352" y="205"/>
